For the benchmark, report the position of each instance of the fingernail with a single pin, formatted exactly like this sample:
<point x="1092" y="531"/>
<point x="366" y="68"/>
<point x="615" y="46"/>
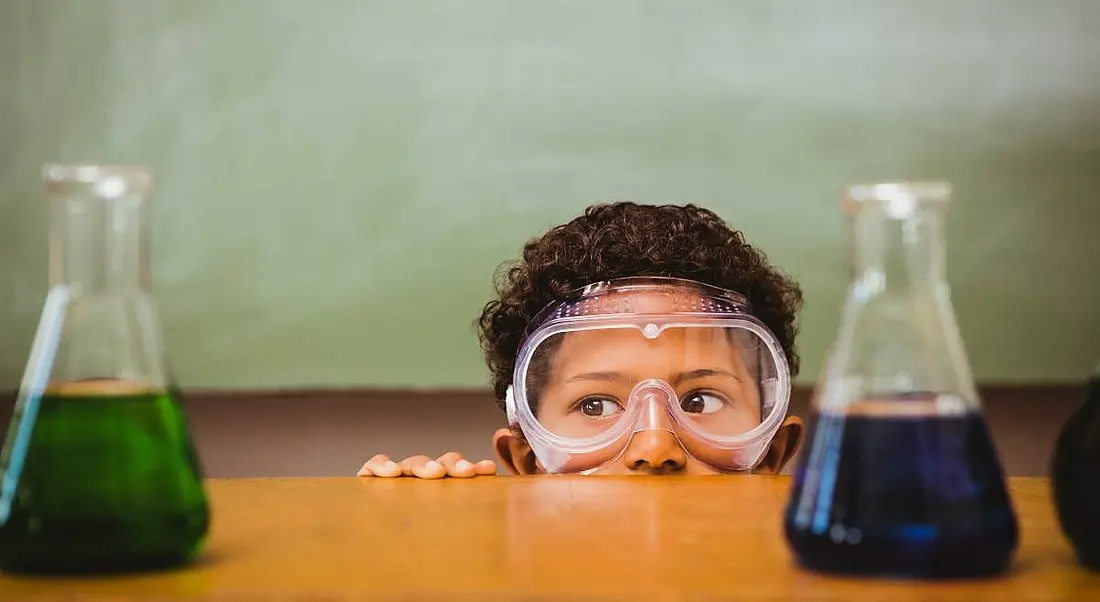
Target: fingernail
<point x="433" y="466"/>
<point x="390" y="466"/>
<point x="463" y="465"/>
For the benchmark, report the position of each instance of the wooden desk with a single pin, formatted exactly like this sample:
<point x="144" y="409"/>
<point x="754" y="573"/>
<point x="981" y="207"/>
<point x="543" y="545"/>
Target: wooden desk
<point x="538" y="538"/>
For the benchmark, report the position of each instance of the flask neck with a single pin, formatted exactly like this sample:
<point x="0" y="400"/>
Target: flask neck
<point x="898" y="255"/>
<point x="99" y="246"/>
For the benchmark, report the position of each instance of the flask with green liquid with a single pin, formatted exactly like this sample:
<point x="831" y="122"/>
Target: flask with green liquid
<point x="98" y="472"/>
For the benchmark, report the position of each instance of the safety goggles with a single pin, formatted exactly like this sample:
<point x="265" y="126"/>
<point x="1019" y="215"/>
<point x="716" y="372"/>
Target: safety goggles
<point x="648" y="353"/>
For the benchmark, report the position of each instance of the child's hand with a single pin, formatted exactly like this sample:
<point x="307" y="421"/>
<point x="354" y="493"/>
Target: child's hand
<point x="450" y="464"/>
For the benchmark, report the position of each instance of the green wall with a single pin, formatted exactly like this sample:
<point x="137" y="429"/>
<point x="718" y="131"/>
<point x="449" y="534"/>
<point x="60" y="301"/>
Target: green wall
<point x="340" y="178"/>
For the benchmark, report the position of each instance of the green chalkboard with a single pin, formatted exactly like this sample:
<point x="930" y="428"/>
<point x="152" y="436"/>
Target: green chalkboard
<point x="338" y="179"/>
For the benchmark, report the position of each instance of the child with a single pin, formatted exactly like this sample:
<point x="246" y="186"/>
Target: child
<point x="636" y="339"/>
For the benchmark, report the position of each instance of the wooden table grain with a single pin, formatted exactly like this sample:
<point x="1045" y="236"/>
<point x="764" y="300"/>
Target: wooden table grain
<point x="538" y="538"/>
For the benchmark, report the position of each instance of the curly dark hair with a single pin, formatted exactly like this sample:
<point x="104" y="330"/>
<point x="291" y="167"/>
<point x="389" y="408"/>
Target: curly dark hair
<point x="616" y="240"/>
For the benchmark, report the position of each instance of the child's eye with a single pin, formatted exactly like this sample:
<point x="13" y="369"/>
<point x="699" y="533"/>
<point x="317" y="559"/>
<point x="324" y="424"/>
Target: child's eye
<point x="598" y="407"/>
<point x="702" y="402"/>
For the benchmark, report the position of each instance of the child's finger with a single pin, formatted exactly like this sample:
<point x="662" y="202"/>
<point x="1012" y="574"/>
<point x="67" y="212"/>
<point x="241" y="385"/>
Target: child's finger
<point x="456" y="465"/>
<point x="383" y="466"/>
<point x="380" y="466"/>
<point x="485" y="468"/>
<point x="422" y="467"/>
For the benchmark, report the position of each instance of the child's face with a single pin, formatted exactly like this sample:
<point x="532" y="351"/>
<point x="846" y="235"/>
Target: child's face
<point x="593" y="372"/>
<point x="589" y="378"/>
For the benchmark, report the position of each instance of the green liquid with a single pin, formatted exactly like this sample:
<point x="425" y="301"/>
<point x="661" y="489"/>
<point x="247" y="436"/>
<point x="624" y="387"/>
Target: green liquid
<point x="110" y="483"/>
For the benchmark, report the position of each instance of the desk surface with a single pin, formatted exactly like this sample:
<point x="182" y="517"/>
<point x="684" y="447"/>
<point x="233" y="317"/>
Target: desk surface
<point x="538" y="538"/>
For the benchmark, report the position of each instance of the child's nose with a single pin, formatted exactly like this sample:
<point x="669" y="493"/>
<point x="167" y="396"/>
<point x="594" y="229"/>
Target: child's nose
<point x="655" y="451"/>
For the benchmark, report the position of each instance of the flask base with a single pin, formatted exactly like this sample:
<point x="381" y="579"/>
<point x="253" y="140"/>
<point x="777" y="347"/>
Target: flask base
<point x="952" y="560"/>
<point x="50" y="565"/>
<point x="106" y="545"/>
<point x="912" y="496"/>
<point x="110" y="484"/>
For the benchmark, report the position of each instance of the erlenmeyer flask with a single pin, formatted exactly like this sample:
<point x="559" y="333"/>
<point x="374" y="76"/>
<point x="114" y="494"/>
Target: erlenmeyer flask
<point x="1076" y="477"/>
<point x="900" y="476"/>
<point x="98" y="469"/>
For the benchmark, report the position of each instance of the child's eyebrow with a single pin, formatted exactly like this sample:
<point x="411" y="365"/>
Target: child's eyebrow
<point x="703" y="373"/>
<point x="602" y="376"/>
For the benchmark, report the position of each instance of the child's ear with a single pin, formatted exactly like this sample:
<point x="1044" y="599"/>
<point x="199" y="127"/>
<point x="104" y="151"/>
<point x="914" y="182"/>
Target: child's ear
<point x="784" y="446"/>
<point x="514" y="452"/>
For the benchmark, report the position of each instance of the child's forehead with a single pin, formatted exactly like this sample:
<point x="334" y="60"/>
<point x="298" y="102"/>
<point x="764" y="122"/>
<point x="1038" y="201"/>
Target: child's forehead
<point x="618" y="348"/>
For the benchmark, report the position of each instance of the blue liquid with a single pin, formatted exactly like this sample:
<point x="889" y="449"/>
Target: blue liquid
<point x="919" y="497"/>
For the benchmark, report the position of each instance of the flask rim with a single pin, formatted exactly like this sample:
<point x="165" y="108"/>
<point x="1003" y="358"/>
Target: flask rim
<point x="103" y="181"/>
<point x="899" y="198"/>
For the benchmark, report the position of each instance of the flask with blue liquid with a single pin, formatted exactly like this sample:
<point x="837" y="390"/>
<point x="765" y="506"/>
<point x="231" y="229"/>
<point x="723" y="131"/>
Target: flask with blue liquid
<point x="900" y="476"/>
